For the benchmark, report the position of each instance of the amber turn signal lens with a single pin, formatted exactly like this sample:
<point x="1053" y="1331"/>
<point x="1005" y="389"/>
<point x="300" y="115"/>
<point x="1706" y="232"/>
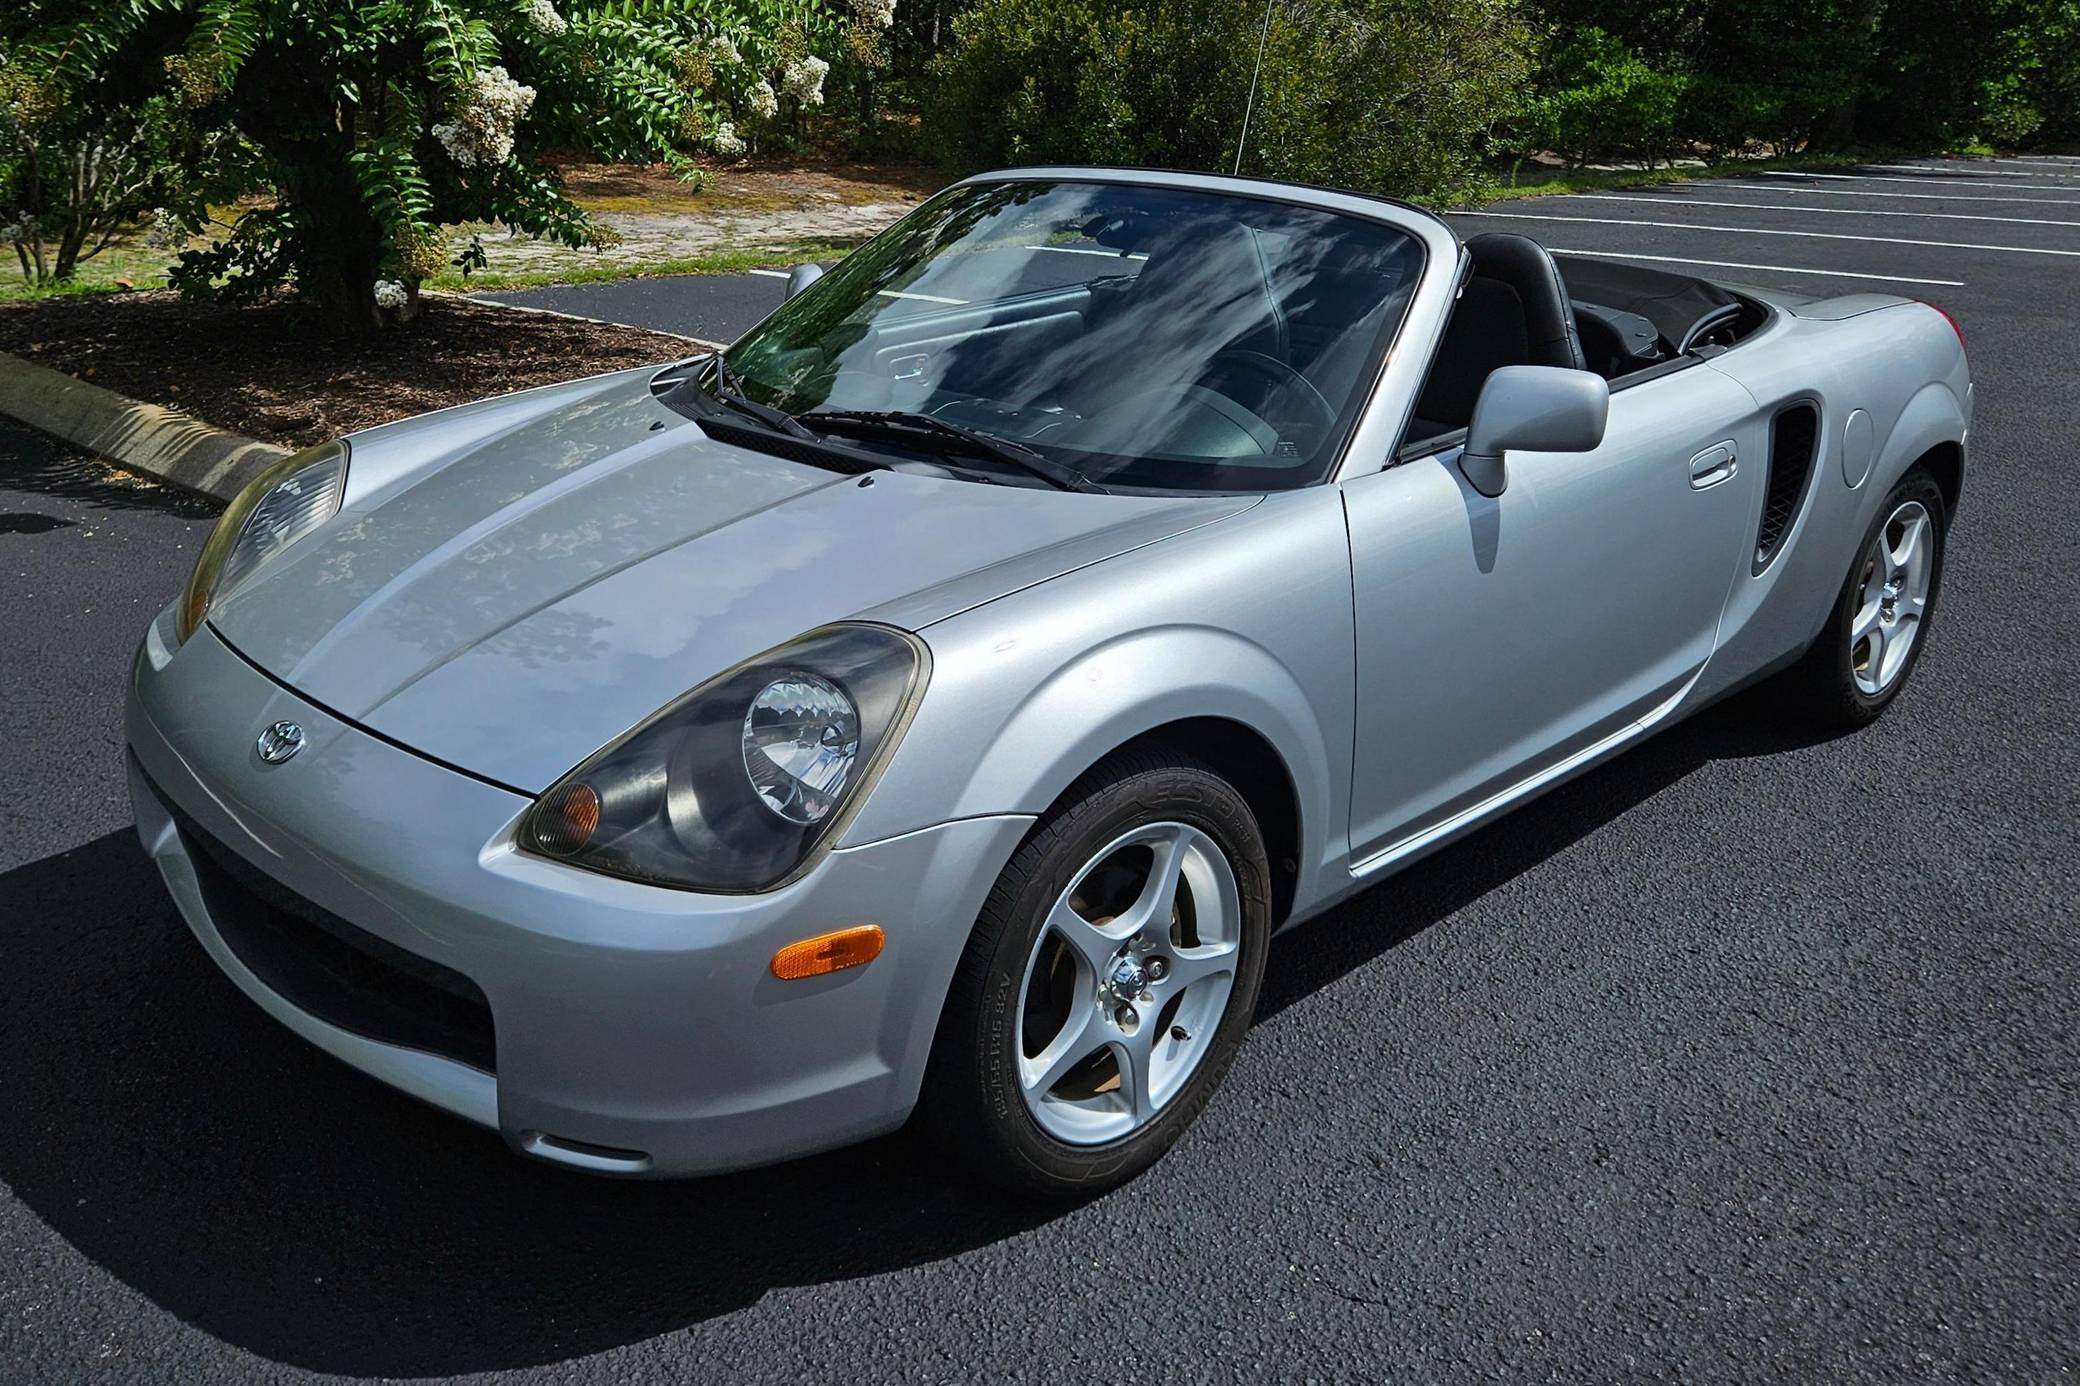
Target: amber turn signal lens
<point x="833" y="952"/>
<point x="570" y="823"/>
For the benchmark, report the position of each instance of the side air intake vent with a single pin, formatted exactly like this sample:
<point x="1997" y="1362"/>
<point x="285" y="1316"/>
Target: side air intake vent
<point x="1793" y="437"/>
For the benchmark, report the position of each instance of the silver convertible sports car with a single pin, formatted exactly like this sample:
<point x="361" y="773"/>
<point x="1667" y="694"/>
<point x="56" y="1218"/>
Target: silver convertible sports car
<point x="933" y="703"/>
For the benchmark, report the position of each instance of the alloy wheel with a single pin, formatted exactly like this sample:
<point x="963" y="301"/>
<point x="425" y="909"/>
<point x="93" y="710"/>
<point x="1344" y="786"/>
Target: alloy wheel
<point x="1892" y="600"/>
<point x="1127" y="983"/>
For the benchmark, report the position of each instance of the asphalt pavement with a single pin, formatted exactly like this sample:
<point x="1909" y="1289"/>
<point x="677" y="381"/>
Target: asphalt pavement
<point x="1746" y="1057"/>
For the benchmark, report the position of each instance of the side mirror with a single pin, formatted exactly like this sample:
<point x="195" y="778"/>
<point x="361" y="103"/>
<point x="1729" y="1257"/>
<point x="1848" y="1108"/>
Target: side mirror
<point x="801" y="277"/>
<point x="1534" y="408"/>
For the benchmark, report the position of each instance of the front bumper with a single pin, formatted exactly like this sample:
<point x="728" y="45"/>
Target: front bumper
<point x="631" y="1029"/>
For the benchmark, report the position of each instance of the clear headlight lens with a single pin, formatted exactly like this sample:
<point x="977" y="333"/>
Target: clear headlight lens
<point x="280" y="506"/>
<point x="801" y="744"/>
<point x="737" y="785"/>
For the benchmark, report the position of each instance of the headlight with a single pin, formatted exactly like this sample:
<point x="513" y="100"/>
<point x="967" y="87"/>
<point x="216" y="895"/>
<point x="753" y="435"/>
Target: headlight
<point x="736" y="786"/>
<point x="280" y="506"/>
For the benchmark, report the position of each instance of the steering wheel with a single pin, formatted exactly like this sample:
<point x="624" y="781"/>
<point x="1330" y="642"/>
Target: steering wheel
<point x="1282" y="377"/>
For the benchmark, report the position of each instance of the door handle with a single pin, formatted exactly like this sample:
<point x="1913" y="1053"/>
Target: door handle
<point x="1712" y="466"/>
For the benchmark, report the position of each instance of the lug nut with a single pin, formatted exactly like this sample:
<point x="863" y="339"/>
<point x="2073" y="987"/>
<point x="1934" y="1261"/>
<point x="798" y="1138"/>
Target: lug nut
<point x="1158" y="969"/>
<point x="1127" y="1017"/>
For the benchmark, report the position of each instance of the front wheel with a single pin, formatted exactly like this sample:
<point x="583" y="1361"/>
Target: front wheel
<point x="1109" y="981"/>
<point x="1880" y="621"/>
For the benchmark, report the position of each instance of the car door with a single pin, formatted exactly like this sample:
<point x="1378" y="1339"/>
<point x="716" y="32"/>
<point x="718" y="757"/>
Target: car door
<point x="1497" y="638"/>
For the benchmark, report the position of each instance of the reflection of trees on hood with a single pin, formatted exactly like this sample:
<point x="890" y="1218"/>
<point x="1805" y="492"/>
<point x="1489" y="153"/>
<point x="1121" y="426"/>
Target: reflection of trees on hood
<point x="504" y="534"/>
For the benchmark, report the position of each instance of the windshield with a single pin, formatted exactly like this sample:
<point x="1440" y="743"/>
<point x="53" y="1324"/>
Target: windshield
<point x="1143" y="337"/>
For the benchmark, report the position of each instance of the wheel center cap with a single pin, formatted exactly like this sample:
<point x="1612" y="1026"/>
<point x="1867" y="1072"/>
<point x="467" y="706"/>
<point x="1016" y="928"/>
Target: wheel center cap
<point x="1127" y="979"/>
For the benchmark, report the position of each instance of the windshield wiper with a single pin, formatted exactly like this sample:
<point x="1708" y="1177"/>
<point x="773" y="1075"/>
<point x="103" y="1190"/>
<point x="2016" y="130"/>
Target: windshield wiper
<point x="925" y="430"/>
<point x="727" y="392"/>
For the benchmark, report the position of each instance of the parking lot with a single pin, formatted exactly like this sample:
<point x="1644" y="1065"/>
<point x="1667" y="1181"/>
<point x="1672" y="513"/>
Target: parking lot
<point x="1748" y="1056"/>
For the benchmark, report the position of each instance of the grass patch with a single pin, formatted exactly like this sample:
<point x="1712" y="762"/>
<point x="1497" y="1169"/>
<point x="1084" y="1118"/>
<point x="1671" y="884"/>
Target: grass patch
<point x="727" y="261"/>
<point x="143" y="267"/>
<point x="1558" y="183"/>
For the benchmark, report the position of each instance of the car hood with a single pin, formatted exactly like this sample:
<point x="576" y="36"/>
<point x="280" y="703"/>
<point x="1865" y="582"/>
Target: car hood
<point x="543" y="586"/>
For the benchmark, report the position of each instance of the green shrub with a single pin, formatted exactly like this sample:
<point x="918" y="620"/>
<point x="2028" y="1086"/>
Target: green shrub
<point x="1596" y="96"/>
<point x="1389" y="96"/>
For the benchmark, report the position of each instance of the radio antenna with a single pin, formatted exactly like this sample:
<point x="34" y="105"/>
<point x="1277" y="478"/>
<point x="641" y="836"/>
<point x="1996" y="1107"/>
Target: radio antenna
<point x="1242" y="141"/>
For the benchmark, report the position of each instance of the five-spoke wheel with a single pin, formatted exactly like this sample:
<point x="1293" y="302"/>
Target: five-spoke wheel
<point x="1109" y="980"/>
<point x="1127" y="982"/>
<point x="1879" y="625"/>
<point x="1893" y="596"/>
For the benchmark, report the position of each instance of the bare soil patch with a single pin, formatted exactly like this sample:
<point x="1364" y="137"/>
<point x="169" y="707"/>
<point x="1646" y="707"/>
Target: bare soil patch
<point x="805" y="186"/>
<point x="275" y="372"/>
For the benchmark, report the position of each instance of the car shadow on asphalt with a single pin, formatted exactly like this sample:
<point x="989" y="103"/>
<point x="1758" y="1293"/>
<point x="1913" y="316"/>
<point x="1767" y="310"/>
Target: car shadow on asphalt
<point x="172" y="1134"/>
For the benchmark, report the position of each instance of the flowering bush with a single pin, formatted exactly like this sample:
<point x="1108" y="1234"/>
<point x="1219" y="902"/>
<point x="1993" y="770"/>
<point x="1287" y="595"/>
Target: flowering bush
<point x="484" y="119"/>
<point x="352" y="133"/>
<point x="803" y="81"/>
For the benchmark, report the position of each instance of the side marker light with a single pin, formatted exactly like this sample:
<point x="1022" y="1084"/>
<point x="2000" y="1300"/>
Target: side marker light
<point x="832" y="952"/>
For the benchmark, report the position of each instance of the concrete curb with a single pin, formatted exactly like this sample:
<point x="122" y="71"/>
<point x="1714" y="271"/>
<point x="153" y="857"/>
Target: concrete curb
<point x="163" y="443"/>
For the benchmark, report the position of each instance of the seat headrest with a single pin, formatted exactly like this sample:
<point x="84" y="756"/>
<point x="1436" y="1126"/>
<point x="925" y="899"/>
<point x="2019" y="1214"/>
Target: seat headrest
<point x="1528" y="269"/>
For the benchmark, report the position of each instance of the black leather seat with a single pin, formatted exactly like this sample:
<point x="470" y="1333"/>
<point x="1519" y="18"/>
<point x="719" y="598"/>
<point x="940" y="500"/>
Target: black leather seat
<point x="1512" y="312"/>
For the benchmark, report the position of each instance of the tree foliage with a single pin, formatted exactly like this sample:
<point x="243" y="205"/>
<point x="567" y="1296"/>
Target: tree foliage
<point x="359" y="129"/>
<point x="1780" y="76"/>
<point x="1393" y="96"/>
<point x="83" y="153"/>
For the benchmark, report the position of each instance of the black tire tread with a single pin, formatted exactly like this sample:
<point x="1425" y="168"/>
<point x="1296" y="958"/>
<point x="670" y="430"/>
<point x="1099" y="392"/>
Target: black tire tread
<point x="1820" y="689"/>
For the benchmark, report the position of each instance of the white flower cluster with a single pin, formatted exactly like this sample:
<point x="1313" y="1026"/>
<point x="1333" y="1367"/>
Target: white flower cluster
<point x="728" y="143"/>
<point x="542" y="14"/>
<point x="482" y="130"/>
<point x="390" y="294"/>
<point x="804" y="80"/>
<point x="879" y="13"/>
<point x="763" y="100"/>
<point x="167" y="233"/>
<point x="723" y="50"/>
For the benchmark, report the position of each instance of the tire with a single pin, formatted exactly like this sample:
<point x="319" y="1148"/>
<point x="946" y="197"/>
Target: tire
<point x="1003" y="1088"/>
<point x="1834" y="685"/>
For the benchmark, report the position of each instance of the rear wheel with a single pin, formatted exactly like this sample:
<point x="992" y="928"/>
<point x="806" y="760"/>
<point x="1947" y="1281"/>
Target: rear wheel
<point x="1880" y="621"/>
<point x="1109" y="981"/>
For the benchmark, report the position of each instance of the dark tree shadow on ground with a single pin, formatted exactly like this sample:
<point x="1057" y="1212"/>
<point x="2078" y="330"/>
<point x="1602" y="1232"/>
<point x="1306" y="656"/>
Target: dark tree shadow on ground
<point x="29" y="461"/>
<point x="250" y="1185"/>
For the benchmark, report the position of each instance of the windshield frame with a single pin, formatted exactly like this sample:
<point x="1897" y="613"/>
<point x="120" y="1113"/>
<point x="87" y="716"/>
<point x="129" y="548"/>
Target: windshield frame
<point x="1426" y="234"/>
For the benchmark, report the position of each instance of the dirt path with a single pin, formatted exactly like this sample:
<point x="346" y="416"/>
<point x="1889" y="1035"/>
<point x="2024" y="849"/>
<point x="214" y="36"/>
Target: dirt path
<point x="660" y="219"/>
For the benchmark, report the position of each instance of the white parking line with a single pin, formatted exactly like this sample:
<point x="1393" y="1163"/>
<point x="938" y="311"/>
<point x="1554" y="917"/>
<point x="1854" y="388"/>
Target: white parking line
<point x="1772" y="269"/>
<point x="1080" y="250"/>
<point x="1830" y="211"/>
<point x="1898" y="178"/>
<point x="1815" y="190"/>
<point x="922" y="298"/>
<point x="1773" y="231"/>
<point x="1967" y="172"/>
